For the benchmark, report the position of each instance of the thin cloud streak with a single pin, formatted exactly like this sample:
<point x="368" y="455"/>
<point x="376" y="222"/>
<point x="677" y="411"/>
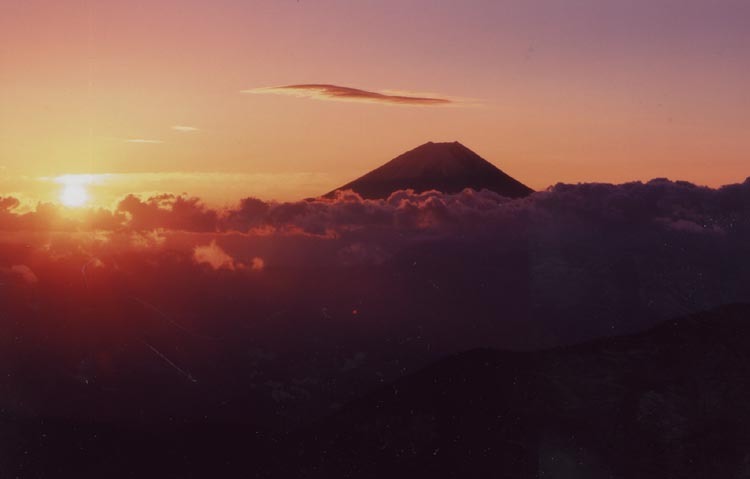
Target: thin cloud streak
<point x="343" y="93"/>
<point x="184" y="128"/>
<point x="144" y="141"/>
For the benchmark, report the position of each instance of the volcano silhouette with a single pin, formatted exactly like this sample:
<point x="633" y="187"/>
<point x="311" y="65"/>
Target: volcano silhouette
<point x="446" y="167"/>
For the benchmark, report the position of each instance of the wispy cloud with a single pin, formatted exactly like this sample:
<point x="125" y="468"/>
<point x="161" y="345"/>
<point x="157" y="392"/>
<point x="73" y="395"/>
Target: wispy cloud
<point x="184" y="128"/>
<point x="343" y="93"/>
<point x="143" y="141"/>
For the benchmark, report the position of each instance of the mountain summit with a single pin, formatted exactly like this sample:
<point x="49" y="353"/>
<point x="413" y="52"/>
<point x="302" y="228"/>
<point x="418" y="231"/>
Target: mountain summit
<point x="446" y="167"/>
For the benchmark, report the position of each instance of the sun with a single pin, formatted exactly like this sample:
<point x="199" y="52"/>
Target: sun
<point x="74" y="192"/>
<point x="74" y="195"/>
<point x="74" y="189"/>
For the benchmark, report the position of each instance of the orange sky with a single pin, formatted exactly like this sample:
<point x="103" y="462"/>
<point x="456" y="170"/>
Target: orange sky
<point x="548" y="90"/>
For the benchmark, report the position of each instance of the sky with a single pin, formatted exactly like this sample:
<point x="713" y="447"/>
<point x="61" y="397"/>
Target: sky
<point x="287" y="99"/>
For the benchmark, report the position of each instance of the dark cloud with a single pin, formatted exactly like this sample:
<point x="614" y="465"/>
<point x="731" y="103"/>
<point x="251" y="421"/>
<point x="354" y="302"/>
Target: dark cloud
<point x="22" y="271"/>
<point x="343" y="93"/>
<point x="8" y="203"/>
<point x="52" y="217"/>
<point x="168" y="212"/>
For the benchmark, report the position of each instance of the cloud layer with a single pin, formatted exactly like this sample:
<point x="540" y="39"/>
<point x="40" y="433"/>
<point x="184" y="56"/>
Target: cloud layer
<point x="658" y="204"/>
<point x="607" y="258"/>
<point x="284" y="300"/>
<point x="343" y="93"/>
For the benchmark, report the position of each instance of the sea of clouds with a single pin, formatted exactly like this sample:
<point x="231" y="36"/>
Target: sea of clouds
<point x="284" y="298"/>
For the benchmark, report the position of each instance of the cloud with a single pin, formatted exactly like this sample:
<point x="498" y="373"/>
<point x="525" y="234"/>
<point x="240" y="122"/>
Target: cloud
<point x="214" y="256"/>
<point x="342" y="93"/>
<point x="167" y="211"/>
<point x="8" y="203"/>
<point x="257" y="264"/>
<point x="427" y="273"/>
<point x="184" y="129"/>
<point x="264" y="294"/>
<point x="660" y="204"/>
<point x="25" y="273"/>
<point x="144" y="141"/>
<point x="75" y="179"/>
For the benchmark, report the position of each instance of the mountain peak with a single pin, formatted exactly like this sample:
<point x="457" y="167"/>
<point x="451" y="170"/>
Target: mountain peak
<point x="449" y="167"/>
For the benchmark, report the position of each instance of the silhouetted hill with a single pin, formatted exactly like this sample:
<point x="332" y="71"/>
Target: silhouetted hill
<point x="446" y="167"/>
<point x="670" y="402"/>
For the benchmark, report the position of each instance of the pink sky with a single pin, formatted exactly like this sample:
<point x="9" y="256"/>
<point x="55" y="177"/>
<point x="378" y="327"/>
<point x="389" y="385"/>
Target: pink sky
<point x="549" y="91"/>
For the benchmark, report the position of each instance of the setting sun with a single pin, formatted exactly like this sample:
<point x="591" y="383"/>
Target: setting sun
<point x="74" y="195"/>
<point x="74" y="192"/>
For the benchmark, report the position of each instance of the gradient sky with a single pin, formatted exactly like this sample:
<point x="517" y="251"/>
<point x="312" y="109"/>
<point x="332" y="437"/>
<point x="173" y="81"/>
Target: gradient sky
<point x="548" y="90"/>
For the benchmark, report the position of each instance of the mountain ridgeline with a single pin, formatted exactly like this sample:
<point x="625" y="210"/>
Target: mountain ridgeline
<point x="446" y="167"/>
<point x="667" y="402"/>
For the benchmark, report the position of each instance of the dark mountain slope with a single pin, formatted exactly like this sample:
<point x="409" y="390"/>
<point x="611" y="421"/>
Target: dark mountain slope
<point x="671" y="402"/>
<point x="446" y="167"/>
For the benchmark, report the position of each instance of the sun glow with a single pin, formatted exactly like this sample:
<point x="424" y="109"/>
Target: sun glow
<point x="74" y="196"/>
<point x="74" y="193"/>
